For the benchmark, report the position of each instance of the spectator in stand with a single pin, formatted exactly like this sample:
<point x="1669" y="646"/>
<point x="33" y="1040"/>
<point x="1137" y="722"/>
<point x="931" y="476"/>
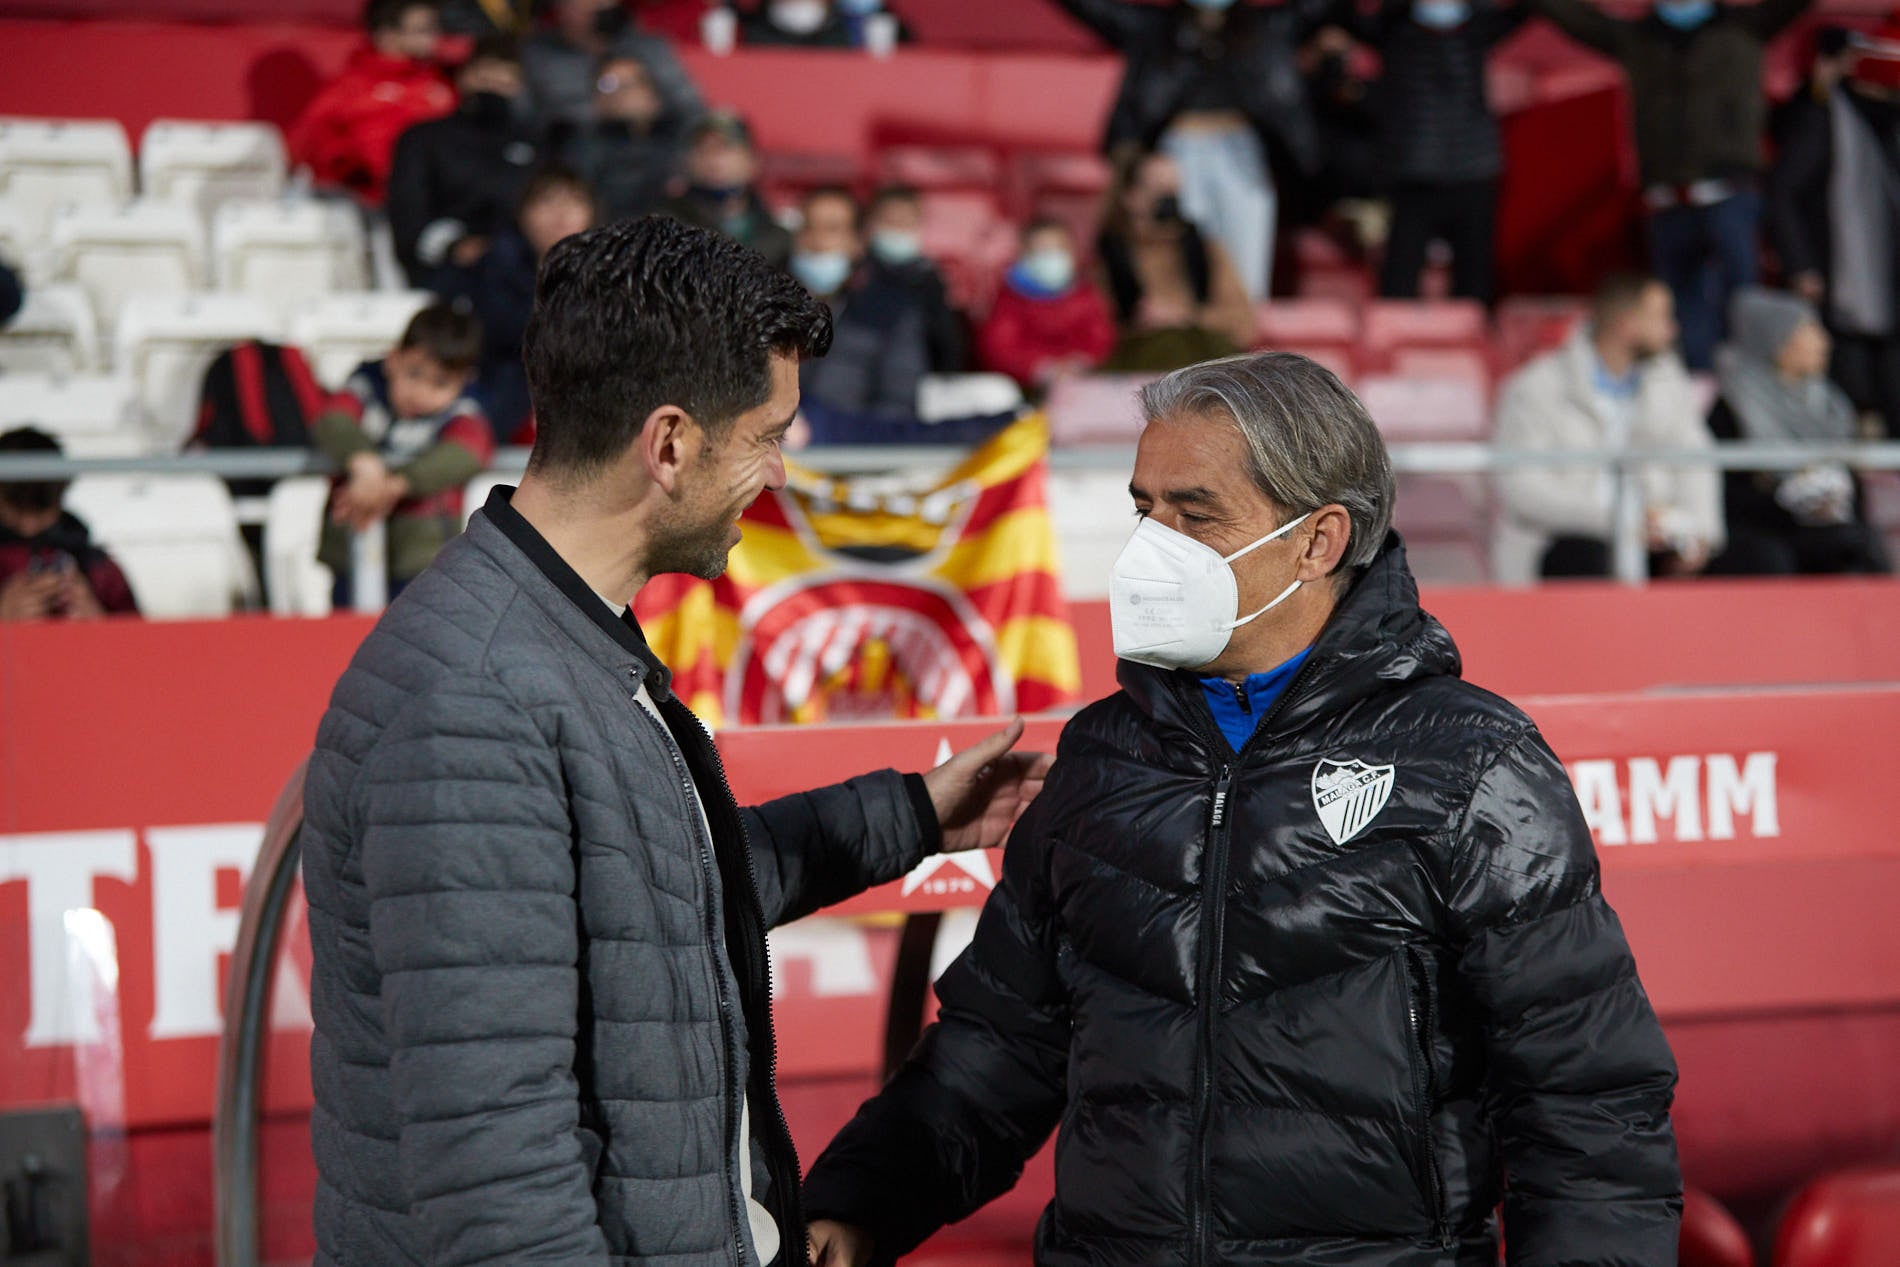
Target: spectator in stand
<point x="562" y="64"/>
<point x="1048" y="321"/>
<point x="347" y="135"/>
<point x="1694" y="69"/>
<point x="1217" y="86"/>
<point x="1775" y="390"/>
<point x="1835" y="51"/>
<point x="879" y="347"/>
<point x="456" y="180"/>
<point x="12" y="293"/>
<point x="408" y="437"/>
<point x="49" y="567"/>
<point x="1178" y="300"/>
<point x="894" y="225"/>
<point x="1616" y="384"/>
<point x="499" y="288"/>
<point x="1441" y="148"/>
<point x="630" y="151"/>
<point x="1350" y="183"/>
<point x="1834" y="218"/>
<point x="480" y="19"/>
<point x="722" y="168"/>
<point x="816" y="24"/>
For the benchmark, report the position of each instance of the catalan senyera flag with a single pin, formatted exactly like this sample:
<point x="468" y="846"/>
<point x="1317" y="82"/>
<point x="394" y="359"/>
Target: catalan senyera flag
<point x="887" y="596"/>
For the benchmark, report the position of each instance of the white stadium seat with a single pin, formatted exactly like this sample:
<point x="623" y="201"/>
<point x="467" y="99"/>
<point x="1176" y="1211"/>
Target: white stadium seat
<point x="53" y="333"/>
<point x="204" y="165"/>
<point x="23" y="242"/>
<point x="944" y="397"/>
<point x="176" y="536"/>
<point x="287" y="251"/>
<point x="475" y="492"/>
<point x="138" y="248"/>
<point x="166" y="342"/>
<point x="1409" y="409"/>
<point x="337" y="333"/>
<point x="295" y="583"/>
<point x="48" y="163"/>
<point x="92" y="415"/>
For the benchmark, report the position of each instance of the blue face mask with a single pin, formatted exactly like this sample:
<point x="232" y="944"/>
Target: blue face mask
<point x="1440" y="15"/>
<point x="896" y="247"/>
<point x="859" y="8"/>
<point x="821" y="272"/>
<point x="1216" y="5"/>
<point x="1043" y="274"/>
<point x="1685" y="15"/>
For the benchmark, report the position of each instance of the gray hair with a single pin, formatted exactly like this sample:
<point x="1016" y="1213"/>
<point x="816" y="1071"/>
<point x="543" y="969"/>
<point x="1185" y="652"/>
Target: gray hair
<point x="1310" y="443"/>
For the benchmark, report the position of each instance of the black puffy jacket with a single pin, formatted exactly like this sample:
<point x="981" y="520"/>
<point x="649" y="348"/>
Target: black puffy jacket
<point x="1266" y="1046"/>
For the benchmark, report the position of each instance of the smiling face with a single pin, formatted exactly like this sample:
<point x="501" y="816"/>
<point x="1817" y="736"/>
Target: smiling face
<point x="726" y="476"/>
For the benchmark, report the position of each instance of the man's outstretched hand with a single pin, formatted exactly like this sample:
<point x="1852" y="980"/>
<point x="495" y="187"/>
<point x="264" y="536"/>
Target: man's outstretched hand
<point x="980" y="791"/>
<point x="838" y="1244"/>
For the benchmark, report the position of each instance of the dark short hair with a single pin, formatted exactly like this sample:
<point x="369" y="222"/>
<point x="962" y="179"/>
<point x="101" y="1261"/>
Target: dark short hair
<point x="553" y="178"/>
<point x="37" y="495"/>
<point x="1618" y="294"/>
<point x="833" y="191"/>
<point x="494" y="48"/>
<point x="888" y="194"/>
<point x="1042" y="224"/>
<point x="448" y="334"/>
<point x="387" y="15"/>
<point x="636" y="315"/>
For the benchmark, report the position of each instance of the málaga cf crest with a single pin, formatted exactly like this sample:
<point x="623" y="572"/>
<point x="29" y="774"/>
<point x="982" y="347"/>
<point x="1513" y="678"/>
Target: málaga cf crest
<point x="1348" y="795"/>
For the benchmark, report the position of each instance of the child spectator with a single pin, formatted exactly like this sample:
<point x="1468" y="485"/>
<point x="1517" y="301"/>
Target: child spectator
<point x="347" y="135"/>
<point x="562" y="63"/>
<point x="630" y="150"/>
<point x="499" y="288"/>
<point x="1048" y="320"/>
<point x="877" y="358"/>
<point x="894" y="225"/>
<point x="408" y="437"/>
<point x="722" y="167"/>
<point x="456" y="180"/>
<point x="49" y="567"/>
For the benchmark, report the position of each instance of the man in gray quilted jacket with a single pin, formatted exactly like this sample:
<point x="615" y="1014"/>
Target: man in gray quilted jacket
<point x="543" y="1021"/>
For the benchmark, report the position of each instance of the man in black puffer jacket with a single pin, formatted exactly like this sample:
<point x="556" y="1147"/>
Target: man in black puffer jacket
<point x="1302" y="945"/>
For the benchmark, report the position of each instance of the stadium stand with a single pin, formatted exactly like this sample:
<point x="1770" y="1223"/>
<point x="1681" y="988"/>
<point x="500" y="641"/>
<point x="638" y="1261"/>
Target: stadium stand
<point x="165" y="343"/>
<point x="288" y="251"/>
<point x="1851" y="1219"/>
<point x="207" y="164"/>
<point x="116" y="251"/>
<point x="176" y="537"/>
<point x="47" y="164"/>
<point x="54" y="333"/>
<point x="295" y="583"/>
<point x="338" y="332"/>
<point x="92" y="415"/>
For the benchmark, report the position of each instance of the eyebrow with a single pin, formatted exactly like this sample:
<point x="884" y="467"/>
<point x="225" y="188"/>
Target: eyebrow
<point x="1195" y="496"/>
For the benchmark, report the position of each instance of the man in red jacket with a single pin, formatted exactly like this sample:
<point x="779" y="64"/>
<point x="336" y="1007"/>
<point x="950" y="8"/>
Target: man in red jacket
<point x="1047" y="320"/>
<point x="347" y="135"/>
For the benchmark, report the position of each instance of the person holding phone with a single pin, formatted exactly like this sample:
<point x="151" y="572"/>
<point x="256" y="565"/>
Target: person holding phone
<point x="49" y="567"/>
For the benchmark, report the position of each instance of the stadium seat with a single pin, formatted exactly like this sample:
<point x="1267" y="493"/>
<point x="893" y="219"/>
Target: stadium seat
<point x="166" y="342"/>
<point x="1850" y="1219"/>
<point x="295" y="583"/>
<point x="1425" y="409"/>
<point x="23" y="241"/>
<point x="942" y="397"/>
<point x="1096" y="409"/>
<point x="1446" y="523"/>
<point x="338" y="332"/>
<point x="93" y="416"/>
<point x="1306" y="322"/>
<point x="1391" y="324"/>
<point x="288" y="251"/>
<point x="139" y="248"/>
<point x="1093" y="516"/>
<point x="1470" y="364"/>
<point x="46" y="164"/>
<point x="53" y="333"/>
<point x="1710" y="1235"/>
<point x="204" y="165"/>
<point x="475" y="492"/>
<point x="1350" y="284"/>
<point x="1039" y="176"/>
<point x="940" y="167"/>
<point x="1529" y="324"/>
<point x="176" y="537"/>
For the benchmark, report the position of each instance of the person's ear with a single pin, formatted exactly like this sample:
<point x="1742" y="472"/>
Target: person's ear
<point x="1326" y="547"/>
<point x="669" y="441"/>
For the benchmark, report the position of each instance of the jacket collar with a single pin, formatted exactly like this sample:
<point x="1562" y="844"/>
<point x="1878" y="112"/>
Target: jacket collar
<point x="618" y="643"/>
<point x="1378" y="638"/>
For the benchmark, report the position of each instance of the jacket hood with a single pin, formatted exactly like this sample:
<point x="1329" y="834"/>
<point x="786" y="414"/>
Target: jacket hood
<point x="1378" y="638"/>
<point x="69" y="534"/>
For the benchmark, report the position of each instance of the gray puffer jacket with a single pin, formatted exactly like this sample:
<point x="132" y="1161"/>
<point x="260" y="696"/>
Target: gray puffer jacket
<point x="540" y="990"/>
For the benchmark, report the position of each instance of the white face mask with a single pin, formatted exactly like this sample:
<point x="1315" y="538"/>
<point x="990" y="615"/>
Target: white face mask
<point x="1173" y="602"/>
<point x="800" y="17"/>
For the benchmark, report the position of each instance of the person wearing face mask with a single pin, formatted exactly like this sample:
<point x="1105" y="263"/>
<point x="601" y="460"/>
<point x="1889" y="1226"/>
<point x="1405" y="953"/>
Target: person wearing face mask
<point x="1049" y="320"/>
<point x="346" y="137"/>
<point x="455" y="181"/>
<point x="893" y="227"/>
<point x="1695" y="79"/>
<point x="1439" y="138"/>
<point x="1177" y="297"/>
<point x="1775" y="390"/>
<point x="1303" y="943"/>
<point x="561" y="64"/>
<point x="1617" y="383"/>
<point x="879" y="347"/>
<point x="630" y="152"/>
<point x="721" y="194"/>
<point x="815" y="24"/>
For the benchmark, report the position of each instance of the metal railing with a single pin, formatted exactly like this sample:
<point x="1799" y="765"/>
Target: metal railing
<point x="1626" y="466"/>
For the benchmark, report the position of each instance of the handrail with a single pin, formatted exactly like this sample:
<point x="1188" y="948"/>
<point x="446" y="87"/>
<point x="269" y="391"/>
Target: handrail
<point x="241" y="1046"/>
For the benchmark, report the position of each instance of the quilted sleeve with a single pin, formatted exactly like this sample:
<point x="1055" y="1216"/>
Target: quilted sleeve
<point x="817" y="848"/>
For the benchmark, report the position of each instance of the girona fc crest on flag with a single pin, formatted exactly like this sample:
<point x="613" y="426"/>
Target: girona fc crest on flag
<point x="1349" y="795"/>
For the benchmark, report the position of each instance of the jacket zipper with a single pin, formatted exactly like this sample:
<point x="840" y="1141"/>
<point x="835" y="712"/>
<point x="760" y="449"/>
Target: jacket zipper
<point x="1213" y="934"/>
<point x="1418" y="1011"/>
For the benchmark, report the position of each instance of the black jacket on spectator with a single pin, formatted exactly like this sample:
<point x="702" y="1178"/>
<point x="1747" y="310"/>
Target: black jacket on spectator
<point x="457" y="177"/>
<point x="756" y="228"/>
<point x="1265" y="1046"/>
<point x="1168" y="61"/>
<point x="879" y="352"/>
<point x="946" y="342"/>
<point x="12" y="293"/>
<point x="841" y="30"/>
<point x="1436" y="124"/>
<point x="500" y="287"/>
<point x="628" y="171"/>
<point x="1799" y="204"/>
<point x="1696" y="95"/>
<point x="1764" y="539"/>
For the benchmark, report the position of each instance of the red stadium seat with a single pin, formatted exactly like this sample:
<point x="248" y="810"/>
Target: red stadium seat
<point x="1350" y="283"/>
<point x="1426" y="409"/>
<point x="1850" y="1219"/>
<point x="1283" y="322"/>
<point x="1710" y="1235"/>
<point x="940" y="166"/>
<point x="1471" y="364"/>
<point x="1529" y="324"/>
<point x="1391" y="324"/>
<point x="1064" y="171"/>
